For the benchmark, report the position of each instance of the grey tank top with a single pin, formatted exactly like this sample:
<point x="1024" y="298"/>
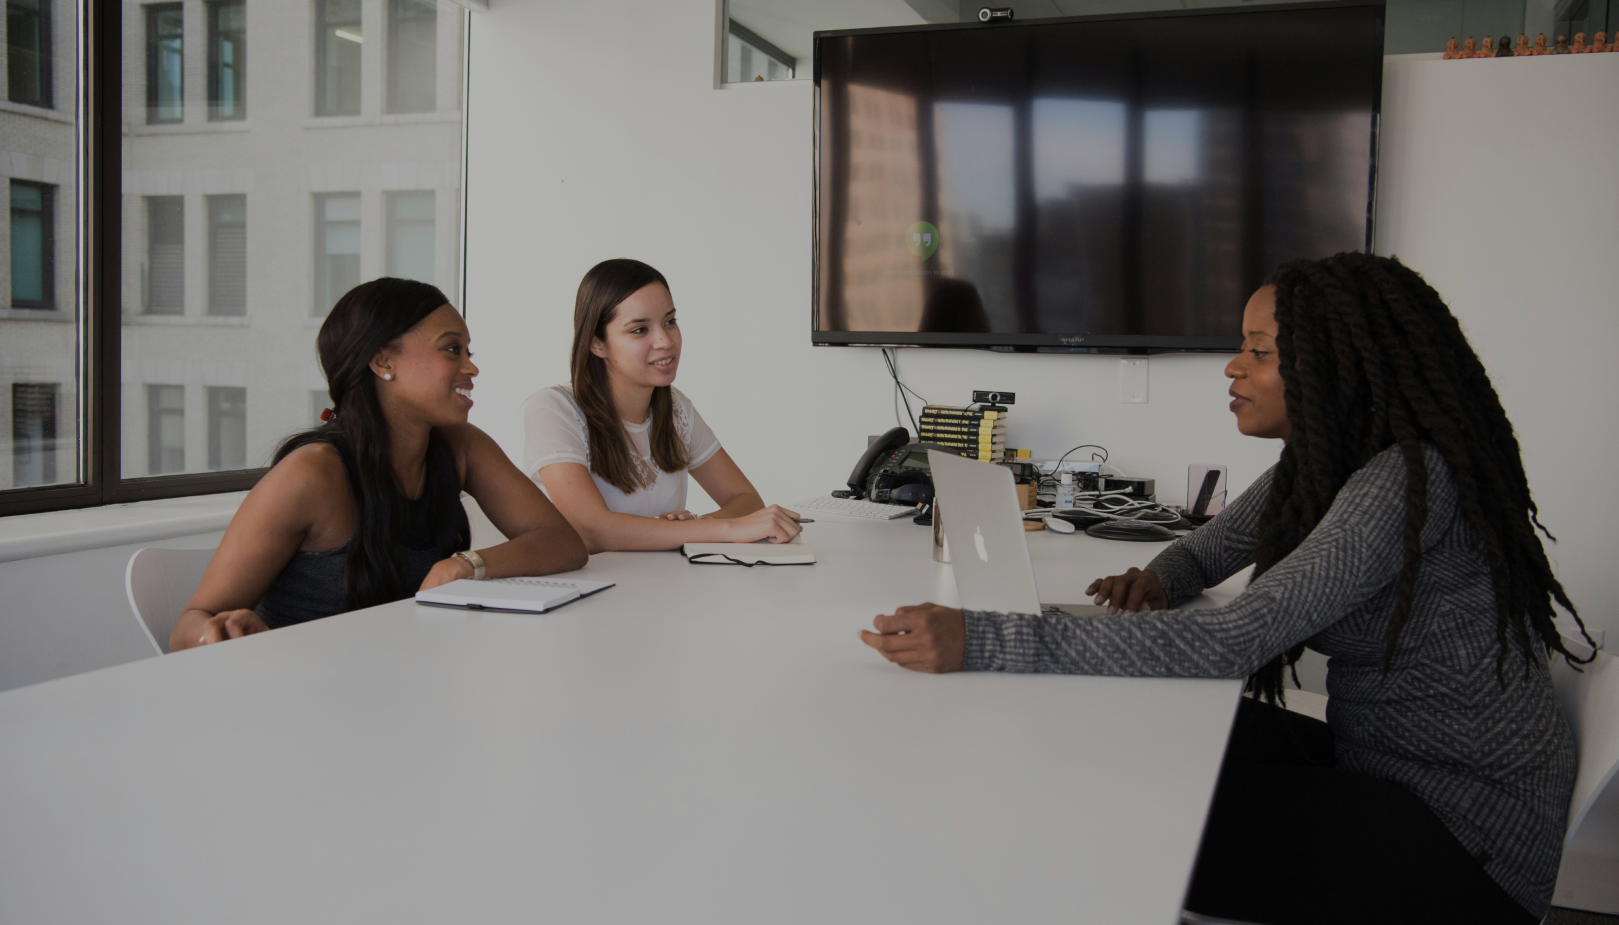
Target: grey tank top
<point x="311" y="584"/>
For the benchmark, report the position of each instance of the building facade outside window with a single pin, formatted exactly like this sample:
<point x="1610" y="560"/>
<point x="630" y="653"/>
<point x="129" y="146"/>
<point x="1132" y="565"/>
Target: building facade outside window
<point x="338" y="42"/>
<point x="211" y="365"/>
<point x="29" y="60"/>
<point x="227" y="428"/>
<point x="165" y="429"/>
<point x="33" y="433"/>
<point x="337" y="248"/>
<point x="412" y="55"/>
<point x="410" y="235"/>
<point x="227" y="60"/>
<point x="165" y="63"/>
<point x="33" y="245"/>
<point x="227" y="254"/>
<point x="165" y="255"/>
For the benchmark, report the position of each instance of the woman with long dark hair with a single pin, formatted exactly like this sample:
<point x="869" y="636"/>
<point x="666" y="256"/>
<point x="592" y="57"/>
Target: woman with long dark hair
<point x="1396" y="535"/>
<point x="612" y="449"/>
<point x="366" y="508"/>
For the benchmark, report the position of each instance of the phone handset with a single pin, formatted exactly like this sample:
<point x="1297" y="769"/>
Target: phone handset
<point x="879" y="448"/>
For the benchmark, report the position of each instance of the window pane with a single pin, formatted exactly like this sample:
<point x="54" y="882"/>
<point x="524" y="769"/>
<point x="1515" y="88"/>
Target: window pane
<point x="338" y="44"/>
<point x="39" y="236"/>
<point x="227" y="60"/>
<point x="28" y="52"/>
<point x="227" y="428"/>
<point x="165" y="429"/>
<point x="33" y="432"/>
<point x="165" y="63"/>
<point x="412" y="56"/>
<point x="227" y="254"/>
<point x="238" y="237"/>
<point x="165" y="255"/>
<point x="410" y="235"/>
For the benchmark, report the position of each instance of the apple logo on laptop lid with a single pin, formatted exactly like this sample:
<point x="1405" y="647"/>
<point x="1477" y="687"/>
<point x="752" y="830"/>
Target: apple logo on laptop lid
<point x="978" y="541"/>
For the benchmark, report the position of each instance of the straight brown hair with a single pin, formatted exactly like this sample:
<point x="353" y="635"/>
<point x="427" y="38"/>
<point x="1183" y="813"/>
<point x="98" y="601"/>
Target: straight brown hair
<point x="602" y="290"/>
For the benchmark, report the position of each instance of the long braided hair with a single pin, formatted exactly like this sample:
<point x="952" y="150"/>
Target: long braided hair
<point x="1371" y="358"/>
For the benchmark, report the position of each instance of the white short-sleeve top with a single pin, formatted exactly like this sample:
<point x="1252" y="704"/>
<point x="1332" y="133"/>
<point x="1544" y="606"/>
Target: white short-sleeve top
<point x="554" y="431"/>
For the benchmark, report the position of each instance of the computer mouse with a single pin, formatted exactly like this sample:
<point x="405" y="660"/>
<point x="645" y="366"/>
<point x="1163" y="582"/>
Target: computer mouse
<point x="1133" y="530"/>
<point x="1059" y="525"/>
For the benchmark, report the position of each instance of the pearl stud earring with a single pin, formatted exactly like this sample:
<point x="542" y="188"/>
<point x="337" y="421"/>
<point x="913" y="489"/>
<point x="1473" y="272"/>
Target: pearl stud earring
<point x="387" y="377"/>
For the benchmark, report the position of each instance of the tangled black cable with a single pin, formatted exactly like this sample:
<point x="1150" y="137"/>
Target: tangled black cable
<point x="900" y="389"/>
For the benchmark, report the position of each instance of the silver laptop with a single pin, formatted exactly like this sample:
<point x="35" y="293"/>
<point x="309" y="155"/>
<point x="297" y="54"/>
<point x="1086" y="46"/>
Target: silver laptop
<point x="983" y="524"/>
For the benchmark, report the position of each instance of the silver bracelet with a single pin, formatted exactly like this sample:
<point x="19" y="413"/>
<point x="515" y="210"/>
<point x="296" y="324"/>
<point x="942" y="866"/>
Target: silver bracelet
<point x="472" y="558"/>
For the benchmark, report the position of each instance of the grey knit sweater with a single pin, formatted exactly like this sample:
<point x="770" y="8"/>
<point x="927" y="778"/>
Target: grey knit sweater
<point x="1496" y="765"/>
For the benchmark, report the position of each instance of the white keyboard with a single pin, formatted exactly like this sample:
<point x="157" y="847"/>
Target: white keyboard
<point x="851" y="509"/>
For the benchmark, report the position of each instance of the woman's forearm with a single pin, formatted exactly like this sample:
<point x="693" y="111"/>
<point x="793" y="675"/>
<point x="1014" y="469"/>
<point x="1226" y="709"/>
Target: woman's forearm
<point x="741" y="505"/>
<point x="611" y="530"/>
<point x="541" y="551"/>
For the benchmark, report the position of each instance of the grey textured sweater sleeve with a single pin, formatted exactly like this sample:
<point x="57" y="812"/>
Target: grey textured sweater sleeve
<point x="1214" y="552"/>
<point x="1353" y="552"/>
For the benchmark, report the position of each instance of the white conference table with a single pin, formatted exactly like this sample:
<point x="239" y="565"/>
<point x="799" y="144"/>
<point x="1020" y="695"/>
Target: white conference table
<point x="701" y="743"/>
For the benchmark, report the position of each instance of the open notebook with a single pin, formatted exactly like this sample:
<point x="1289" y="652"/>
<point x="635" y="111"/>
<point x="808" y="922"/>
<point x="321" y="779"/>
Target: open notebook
<point x="749" y="554"/>
<point x="513" y="595"/>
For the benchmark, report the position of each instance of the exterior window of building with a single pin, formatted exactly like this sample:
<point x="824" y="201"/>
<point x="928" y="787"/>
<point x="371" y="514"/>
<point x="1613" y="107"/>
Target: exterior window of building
<point x="227" y="254"/>
<point x="337" y="58"/>
<point x="410" y="235"/>
<point x="412" y="55"/>
<point x="33" y="245"/>
<point x="28" y="52"/>
<point x="337" y="248"/>
<point x="165" y="255"/>
<point x="165" y="63"/>
<point x="165" y="429"/>
<point x="33" y="433"/>
<point x="227" y="60"/>
<point x="227" y="428"/>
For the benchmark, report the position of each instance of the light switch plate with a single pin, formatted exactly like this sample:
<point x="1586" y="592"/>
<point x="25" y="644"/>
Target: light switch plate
<point x="1133" y="381"/>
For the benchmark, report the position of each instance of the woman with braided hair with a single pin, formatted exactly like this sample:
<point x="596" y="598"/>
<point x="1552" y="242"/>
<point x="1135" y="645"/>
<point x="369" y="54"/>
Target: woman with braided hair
<point x="1396" y="535"/>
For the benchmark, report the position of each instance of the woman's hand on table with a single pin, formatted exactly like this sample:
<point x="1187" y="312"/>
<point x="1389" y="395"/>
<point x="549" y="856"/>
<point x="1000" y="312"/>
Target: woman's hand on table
<point x="445" y="571"/>
<point x="1134" y="591"/>
<point x="678" y="515"/>
<point x="925" y="637"/>
<point x="774" y="523"/>
<point x="229" y="624"/>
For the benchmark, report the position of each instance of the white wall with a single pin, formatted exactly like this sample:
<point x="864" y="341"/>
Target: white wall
<point x="595" y="132"/>
<point x="578" y="153"/>
<point x="1500" y="184"/>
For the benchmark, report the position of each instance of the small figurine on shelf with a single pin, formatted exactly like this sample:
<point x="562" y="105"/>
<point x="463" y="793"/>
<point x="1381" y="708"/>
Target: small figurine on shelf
<point x="1504" y="49"/>
<point x="1521" y="50"/>
<point x="1540" y="45"/>
<point x="1470" y="48"/>
<point x="1578" y="48"/>
<point x="1600" y="43"/>
<point x="1486" y="48"/>
<point x="1561" y="48"/>
<point x="1450" y="50"/>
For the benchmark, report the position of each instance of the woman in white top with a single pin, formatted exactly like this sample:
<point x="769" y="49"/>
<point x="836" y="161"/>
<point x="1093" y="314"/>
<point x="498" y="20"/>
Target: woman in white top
<point x="612" y="451"/>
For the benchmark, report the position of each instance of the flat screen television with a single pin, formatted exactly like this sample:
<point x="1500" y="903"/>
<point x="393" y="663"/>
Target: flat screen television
<point x="1094" y="184"/>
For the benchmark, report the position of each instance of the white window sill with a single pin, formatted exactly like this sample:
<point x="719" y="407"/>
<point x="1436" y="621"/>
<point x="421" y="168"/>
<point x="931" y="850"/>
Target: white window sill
<point x="29" y="536"/>
<point x="195" y="321"/>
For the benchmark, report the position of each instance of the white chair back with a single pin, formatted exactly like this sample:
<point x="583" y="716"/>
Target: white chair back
<point x="159" y="582"/>
<point x="1589" y="877"/>
<point x="1590" y="702"/>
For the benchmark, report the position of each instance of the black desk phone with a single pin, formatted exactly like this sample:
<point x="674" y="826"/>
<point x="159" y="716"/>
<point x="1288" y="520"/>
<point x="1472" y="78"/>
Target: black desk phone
<point x="893" y="470"/>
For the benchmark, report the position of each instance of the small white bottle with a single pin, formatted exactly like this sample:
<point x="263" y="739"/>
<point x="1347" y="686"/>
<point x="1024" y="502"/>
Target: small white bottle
<point x="1065" y="492"/>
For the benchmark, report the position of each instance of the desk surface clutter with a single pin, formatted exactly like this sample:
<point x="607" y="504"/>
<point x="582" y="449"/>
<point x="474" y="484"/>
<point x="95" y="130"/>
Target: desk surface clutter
<point x="694" y="744"/>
